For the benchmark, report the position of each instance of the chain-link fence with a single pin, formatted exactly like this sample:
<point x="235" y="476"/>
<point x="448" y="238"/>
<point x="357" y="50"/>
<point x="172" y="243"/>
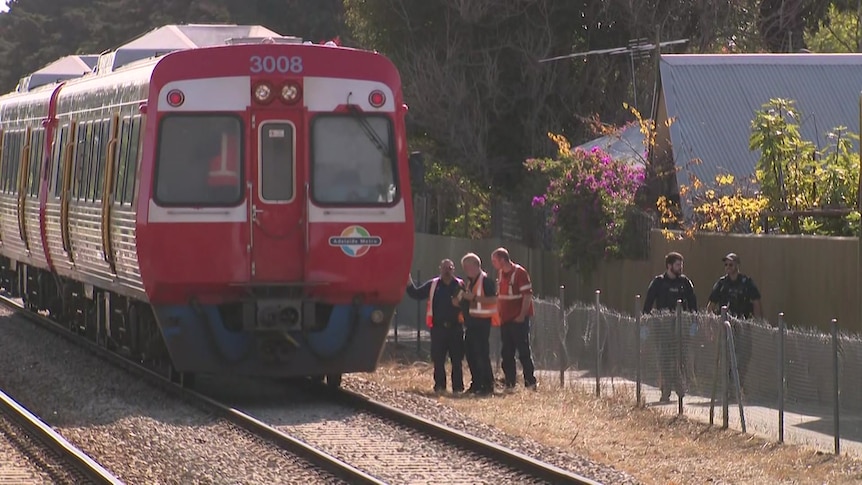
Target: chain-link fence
<point x="793" y="384"/>
<point x="786" y="381"/>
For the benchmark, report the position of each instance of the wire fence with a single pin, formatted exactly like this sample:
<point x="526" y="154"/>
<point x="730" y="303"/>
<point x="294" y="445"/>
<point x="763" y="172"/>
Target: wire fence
<point x="792" y="384"/>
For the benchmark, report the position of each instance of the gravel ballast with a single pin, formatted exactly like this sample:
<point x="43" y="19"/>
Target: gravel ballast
<point x="448" y="416"/>
<point x="138" y="432"/>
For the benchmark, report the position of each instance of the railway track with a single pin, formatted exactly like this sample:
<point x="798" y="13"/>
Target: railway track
<point x="329" y="448"/>
<point x="334" y="469"/>
<point x="81" y="468"/>
<point x="393" y="445"/>
<point x="530" y="467"/>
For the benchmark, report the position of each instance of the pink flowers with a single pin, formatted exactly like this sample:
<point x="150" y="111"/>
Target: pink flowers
<point x="589" y="194"/>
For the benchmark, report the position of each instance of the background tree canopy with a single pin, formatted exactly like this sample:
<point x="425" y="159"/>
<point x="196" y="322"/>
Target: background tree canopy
<point x="479" y="97"/>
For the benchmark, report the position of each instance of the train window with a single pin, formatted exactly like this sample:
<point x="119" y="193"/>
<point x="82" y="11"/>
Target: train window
<point x="102" y="134"/>
<point x="12" y="145"/>
<point x="122" y="158"/>
<point x="199" y="161"/>
<point x="276" y="162"/>
<point x="82" y="150"/>
<point x="37" y="146"/>
<point x="132" y="161"/>
<point x="55" y="175"/>
<point x="127" y="158"/>
<point x="352" y="160"/>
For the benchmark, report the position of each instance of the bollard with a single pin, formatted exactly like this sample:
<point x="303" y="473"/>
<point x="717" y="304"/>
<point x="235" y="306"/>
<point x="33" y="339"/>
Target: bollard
<point x="563" y="334"/>
<point x="782" y="330"/>
<point x="679" y="369"/>
<point x="598" y="335"/>
<point x="837" y="395"/>
<point x="638" y="350"/>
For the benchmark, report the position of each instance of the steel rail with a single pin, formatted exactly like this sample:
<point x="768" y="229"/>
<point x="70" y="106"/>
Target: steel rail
<point x="500" y="454"/>
<point x="319" y="458"/>
<point x="38" y="429"/>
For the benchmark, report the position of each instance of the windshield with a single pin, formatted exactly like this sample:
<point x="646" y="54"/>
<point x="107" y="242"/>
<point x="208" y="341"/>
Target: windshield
<point x="352" y="160"/>
<point x="200" y="161"/>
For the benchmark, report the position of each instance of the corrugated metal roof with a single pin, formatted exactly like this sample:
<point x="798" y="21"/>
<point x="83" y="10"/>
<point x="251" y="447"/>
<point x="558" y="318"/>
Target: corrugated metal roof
<point x="627" y="144"/>
<point x="713" y="99"/>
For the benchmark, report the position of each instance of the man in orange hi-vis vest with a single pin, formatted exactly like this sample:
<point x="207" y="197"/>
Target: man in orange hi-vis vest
<point x="443" y="317"/>
<point x="479" y="305"/>
<point x="515" y="305"/>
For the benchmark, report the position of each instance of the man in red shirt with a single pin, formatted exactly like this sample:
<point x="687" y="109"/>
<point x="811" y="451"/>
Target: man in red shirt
<point x="515" y="306"/>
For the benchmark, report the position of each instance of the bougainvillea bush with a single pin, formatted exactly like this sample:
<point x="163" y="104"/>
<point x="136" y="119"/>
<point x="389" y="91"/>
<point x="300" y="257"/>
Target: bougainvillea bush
<point x="589" y="195"/>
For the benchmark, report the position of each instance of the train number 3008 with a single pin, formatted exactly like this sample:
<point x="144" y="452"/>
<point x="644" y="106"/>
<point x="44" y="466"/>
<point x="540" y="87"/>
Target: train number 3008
<point x="271" y="64"/>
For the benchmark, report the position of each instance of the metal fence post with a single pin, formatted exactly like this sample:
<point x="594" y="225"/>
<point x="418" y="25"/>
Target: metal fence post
<point x="598" y="335"/>
<point x="734" y="367"/>
<point x="782" y="330"/>
<point x="836" y="396"/>
<point x="563" y="334"/>
<point x="725" y="371"/>
<point x="679" y="370"/>
<point x="419" y="320"/>
<point x="638" y="350"/>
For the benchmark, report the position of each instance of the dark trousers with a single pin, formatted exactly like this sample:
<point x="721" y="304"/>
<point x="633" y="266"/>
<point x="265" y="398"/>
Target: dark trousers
<point x="477" y="342"/>
<point x="516" y="338"/>
<point x="447" y="339"/>
<point x="667" y="343"/>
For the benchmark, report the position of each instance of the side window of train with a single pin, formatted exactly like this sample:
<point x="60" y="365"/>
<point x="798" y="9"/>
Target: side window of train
<point x="82" y="149"/>
<point x="122" y="157"/>
<point x="56" y="173"/>
<point x="37" y="150"/>
<point x="13" y="142"/>
<point x="128" y="149"/>
<point x="101" y="136"/>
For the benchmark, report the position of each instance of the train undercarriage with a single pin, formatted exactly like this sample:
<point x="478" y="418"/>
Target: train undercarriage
<point x="123" y="325"/>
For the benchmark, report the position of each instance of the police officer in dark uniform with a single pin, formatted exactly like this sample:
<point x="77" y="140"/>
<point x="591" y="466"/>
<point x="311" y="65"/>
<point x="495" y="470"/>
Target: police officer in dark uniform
<point x="443" y="317"/>
<point x="662" y="294"/>
<point x="740" y="295"/>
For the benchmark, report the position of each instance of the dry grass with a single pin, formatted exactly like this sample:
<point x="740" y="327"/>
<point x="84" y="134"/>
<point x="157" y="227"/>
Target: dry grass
<point x="655" y="448"/>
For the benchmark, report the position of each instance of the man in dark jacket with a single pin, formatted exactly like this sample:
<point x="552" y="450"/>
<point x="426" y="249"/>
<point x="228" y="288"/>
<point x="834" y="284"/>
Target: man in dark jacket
<point x="740" y="295"/>
<point x="444" y="320"/>
<point x="662" y="294"/>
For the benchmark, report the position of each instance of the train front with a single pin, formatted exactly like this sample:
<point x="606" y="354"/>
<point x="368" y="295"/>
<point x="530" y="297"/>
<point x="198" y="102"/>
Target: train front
<point x="279" y="229"/>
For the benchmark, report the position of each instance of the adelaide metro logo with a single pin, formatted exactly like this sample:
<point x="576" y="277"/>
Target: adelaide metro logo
<point x="355" y="241"/>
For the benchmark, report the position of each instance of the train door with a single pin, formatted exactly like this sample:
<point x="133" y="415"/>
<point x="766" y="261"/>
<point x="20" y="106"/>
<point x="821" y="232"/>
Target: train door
<point x="277" y="201"/>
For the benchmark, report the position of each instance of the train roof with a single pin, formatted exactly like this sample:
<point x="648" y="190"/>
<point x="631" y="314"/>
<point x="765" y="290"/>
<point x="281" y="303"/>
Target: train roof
<point x="170" y="38"/>
<point x="68" y="67"/>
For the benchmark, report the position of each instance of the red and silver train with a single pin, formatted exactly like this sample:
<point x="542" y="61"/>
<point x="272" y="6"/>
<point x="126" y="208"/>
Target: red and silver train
<point x="217" y="197"/>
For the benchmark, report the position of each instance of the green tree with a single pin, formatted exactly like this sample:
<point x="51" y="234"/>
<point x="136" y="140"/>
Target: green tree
<point x="838" y="32"/>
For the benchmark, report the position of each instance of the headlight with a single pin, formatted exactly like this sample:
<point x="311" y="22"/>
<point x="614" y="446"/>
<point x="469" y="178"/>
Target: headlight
<point x="377" y="317"/>
<point x="262" y="92"/>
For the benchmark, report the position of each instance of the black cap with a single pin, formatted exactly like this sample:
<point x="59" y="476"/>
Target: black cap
<point x="731" y="257"/>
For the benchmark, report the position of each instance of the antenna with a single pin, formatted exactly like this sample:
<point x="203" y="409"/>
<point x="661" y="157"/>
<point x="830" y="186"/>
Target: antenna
<point x="636" y="49"/>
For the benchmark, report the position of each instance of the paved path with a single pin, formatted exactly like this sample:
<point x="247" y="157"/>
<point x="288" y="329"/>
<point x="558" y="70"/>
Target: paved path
<point x="805" y="425"/>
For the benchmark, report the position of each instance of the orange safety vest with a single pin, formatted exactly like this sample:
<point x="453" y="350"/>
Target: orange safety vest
<point x="429" y="313"/>
<point x="483" y="310"/>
